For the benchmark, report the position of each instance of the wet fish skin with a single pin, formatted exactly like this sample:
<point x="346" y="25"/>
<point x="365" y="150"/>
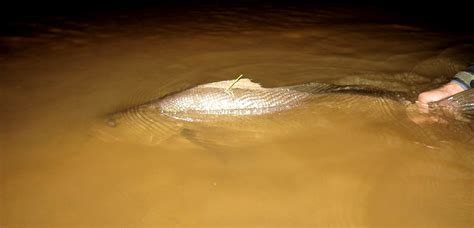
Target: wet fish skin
<point x="245" y="98"/>
<point x="250" y="98"/>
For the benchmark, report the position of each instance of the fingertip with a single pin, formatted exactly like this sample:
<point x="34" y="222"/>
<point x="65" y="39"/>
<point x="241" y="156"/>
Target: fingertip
<point x="422" y="106"/>
<point x="423" y="98"/>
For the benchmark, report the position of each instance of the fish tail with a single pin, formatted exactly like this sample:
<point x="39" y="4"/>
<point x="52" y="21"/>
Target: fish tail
<point x="461" y="104"/>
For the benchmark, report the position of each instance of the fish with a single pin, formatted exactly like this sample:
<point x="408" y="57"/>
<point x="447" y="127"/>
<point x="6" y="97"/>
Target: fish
<point x="247" y="98"/>
<point x="231" y="112"/>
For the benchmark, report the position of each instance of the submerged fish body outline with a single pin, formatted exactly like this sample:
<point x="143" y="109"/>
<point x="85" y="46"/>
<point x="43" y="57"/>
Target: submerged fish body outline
<point x="209" y="109"/>
<point x="248" y="98"/>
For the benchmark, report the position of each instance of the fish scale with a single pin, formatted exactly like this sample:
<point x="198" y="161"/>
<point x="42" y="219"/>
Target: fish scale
<point x="241" y="101"/>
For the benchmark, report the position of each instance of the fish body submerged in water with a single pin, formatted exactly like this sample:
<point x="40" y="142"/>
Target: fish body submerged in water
<point x="211" y="112"/>
<point x="244" y="98"/>
<point x="221" y="110"/>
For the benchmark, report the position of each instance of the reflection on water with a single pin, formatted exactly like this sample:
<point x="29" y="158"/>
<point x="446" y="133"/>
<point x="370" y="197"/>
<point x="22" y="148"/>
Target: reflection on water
<point x="73" y="152"/>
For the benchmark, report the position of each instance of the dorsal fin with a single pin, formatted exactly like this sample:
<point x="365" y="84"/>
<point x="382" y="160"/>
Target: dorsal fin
<point x="243" y="83"/>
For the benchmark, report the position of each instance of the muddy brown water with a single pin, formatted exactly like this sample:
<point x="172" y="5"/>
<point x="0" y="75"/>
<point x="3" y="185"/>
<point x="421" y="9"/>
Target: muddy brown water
<point x="342" y="160"/>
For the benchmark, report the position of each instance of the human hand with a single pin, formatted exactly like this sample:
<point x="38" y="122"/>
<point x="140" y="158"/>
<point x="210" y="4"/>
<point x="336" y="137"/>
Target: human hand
<point x="436" y="94"/>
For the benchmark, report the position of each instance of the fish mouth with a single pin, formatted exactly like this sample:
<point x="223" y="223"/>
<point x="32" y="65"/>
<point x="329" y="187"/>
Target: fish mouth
<point x="141" y="124"/>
